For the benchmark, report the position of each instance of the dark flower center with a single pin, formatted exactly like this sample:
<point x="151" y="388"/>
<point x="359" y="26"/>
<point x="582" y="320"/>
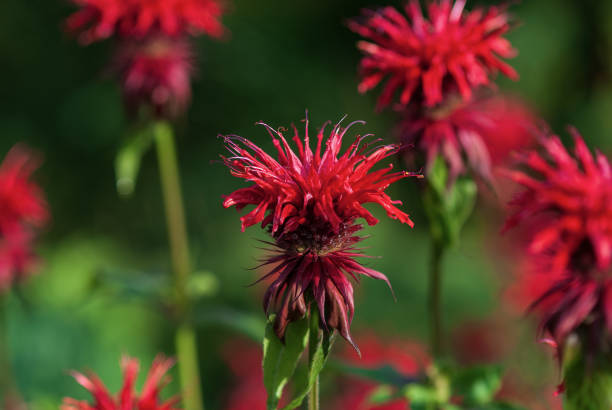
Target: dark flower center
<point x="318" y="238"/>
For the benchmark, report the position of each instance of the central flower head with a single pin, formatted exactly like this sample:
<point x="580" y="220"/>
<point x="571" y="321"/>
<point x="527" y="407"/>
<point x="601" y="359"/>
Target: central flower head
<point x="309" y="201"/>
<point x="426" y="59"/>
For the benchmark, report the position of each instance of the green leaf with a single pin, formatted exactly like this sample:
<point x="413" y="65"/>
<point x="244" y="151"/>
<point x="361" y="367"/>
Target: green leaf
<point x="382" y="394"/>
<point x="249" y="324"/>
<point x="319" y="358"/>
<point x="448" y="207"/>
<point x="280" y="359"/>
<point x="129" y="157"/>
<point x="477" y="385"/>
<point x="383" y="375"/>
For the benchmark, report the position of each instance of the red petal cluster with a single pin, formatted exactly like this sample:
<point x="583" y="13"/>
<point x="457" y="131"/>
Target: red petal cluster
<point x="309" y="201"/>
<point x="425" y="59"/>
<point x="566" y="202"/>
<point x="22" y="207"/>
<point x="156" y="72"/>
<point x="127" y="398"/>
<point x="474" y="135"/>
<point x="100" y="19"/>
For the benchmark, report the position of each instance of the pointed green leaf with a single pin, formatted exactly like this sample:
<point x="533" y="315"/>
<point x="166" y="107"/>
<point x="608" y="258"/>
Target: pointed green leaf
<point x="280" y="359"/>
<point x="129" y="157"/>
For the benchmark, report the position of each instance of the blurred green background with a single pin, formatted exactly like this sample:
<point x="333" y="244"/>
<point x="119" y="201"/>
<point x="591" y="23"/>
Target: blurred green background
<point x="282" y="58"/>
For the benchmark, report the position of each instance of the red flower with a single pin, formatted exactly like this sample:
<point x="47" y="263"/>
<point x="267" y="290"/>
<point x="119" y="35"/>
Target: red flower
<point x="310" y="202"/>
<point x="22" y="207"/>
<point x="127" y="398"/>
<point x="157" y="72"/>
<point x="475" y="135"/>
<point x="407" y="358"/>
<point x="452" y="50"/>
<point x="566" y="202"/>
<point x="100" y="19"/>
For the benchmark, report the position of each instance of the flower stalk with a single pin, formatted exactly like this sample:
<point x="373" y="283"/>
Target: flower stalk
<point x="313" y="342"/>
<point x="186" y="346"/>
<point x="435" y="297"/>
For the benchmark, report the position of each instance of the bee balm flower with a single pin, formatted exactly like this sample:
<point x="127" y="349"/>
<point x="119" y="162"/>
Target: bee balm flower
<point x="127" y="398"/>
<point x="310" y="202"/>
<point x="426" y="59"/>
<point x="22" y="208"/>
<point x="100" y="19"/>
<point x="566" y="201"/>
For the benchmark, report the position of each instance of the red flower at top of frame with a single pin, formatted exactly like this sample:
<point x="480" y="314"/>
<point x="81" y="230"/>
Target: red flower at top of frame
<point x="310" y="201"/>
<point x="127" y="398"/>
<point x="100" y="19"/>
<point x="425" y="59"/>
<point x="474" y="136"/>
<point x="566" y="201"/>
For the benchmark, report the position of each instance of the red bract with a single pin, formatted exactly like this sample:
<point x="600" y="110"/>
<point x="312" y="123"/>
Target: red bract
<point x="566" y="202"/>
<point x="127" y="398"/>
<point x="22" y="207"/>
<point x="156" y="72"/>
<point x="425" y="59"/>
<point x="474" y="136"/>
<point x="310" y="201"/>
<point x="100" y="19"/>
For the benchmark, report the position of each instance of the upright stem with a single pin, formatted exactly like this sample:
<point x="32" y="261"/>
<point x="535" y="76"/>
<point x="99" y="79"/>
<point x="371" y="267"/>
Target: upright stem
<point x="435" y="298"/>
<point x="186" y="346"/>
<point x="313" y="342"/>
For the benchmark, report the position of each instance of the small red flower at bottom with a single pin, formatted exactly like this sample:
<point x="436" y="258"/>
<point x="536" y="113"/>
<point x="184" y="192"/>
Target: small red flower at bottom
<point x="310" y="201"/>
<point x="156" y="72"/>
<point x="127" y="398"/>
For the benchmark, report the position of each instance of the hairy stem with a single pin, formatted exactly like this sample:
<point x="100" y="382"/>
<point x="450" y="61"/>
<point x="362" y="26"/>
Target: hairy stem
<point x="186" y="346"/>
<point x="313" y="342"/>
<point x="435" y="298"/>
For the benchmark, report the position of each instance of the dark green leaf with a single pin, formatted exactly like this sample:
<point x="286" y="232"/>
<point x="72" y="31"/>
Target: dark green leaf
<point x="280" y="359"/>
<point x="251" y="325"/>
<point x="383" y="375"/>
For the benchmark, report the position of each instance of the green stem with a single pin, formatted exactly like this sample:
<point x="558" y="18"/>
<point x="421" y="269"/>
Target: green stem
<point x="313" y="343"/>
<point x="186" y="346"/>
<point x="435" y="298"/>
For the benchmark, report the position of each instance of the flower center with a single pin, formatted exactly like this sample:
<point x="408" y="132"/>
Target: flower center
<point x="318" y="239"/>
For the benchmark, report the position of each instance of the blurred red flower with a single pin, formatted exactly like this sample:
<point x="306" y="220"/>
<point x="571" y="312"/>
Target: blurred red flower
<point x="310" y="202"/>
<point x="427" y="59"/>
<point x="475" y="135"/>
<point x="156" y="71"/>
<point x="405" y="357"/>
<point x="100" y="19"/>
<point x="22" y="208"/>
<point x="566" y="203"/>
<point x="127" y="398"/>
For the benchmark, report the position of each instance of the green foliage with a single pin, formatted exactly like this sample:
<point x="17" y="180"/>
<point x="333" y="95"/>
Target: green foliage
<point x="477" y="385"/>
<point x="448" y="206"/>
<point x="129" y="158"/>
<point x="588" y="380"/>
<point x="281" y="358"/>
<point x="249" y="324"/>
<point x="319" y="347"/>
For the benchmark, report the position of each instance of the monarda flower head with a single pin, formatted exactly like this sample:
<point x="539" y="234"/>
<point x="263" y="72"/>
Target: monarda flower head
<point x="310" y="202"/>
<point x="22" y="208"/>
<point x="425" y="60"/>
<point x="156" y="72"/>
<point x="137" y="19"/>
<point x="127" y="398"/>
<point x="566" y="202"/>
<point x="470" y="136"/>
